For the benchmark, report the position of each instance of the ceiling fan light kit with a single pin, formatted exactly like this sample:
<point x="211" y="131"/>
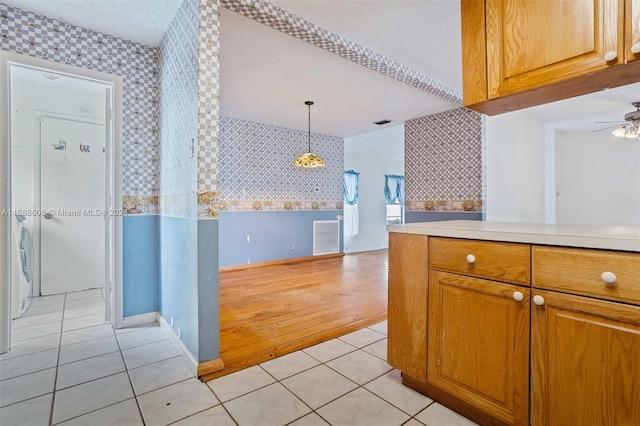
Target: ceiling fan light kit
<point x="631" y="129"/>
<point x="309" y="160"/>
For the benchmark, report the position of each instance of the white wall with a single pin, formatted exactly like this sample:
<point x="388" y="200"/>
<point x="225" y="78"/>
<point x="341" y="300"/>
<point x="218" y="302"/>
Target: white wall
<point x="515" y="164"/>
<point x="373" y="155"/>
<point x="32" y="94"/>
<point x="597" y="179"/>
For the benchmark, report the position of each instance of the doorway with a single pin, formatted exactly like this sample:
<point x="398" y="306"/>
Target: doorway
<point x="62" y="163"/>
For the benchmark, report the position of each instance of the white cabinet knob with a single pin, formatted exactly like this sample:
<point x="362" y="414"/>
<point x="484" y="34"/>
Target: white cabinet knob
<point x="518" y="296"/>
<point x="538" y="300"/>
<point x="471" y="258"/>
<point x="635" y="48"/>
<point x="610" y="55"/>
<point x="608" y="277"/>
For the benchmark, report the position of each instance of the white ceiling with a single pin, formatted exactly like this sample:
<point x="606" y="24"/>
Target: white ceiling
<point x="142" y="21"/>
<point x="422" y="34"/>
<point x="266" y="76"/>
<point x="584" y="113"/>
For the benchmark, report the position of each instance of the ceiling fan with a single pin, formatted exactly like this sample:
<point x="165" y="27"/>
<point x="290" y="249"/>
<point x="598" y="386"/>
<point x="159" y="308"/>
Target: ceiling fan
<point x="630" y="127"/>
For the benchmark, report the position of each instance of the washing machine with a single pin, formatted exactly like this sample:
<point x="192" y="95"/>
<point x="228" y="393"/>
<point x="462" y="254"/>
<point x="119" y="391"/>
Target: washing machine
<point x="22" y="267"/>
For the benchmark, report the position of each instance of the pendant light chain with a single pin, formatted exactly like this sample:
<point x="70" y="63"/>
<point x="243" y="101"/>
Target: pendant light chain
<point x="309" y="105"/>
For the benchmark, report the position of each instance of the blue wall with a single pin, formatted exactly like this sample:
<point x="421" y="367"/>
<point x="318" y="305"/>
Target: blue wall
<point x="175" y="278"/>
<point x="413" y="216"/>
<point x="208" y="301"/>
<point x="179" y="277"/>
<point x="139" y="264"/>
<point x="272" y="234"/>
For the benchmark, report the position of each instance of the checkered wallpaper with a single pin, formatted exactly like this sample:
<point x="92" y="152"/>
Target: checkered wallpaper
<point x="282" y="20"/>
<point x="178" y="124"/>
<point x="443" y="161"/>
<point x="257" y="171"/>
<point x="38" y="36"/>
<point x="208" y="107"/>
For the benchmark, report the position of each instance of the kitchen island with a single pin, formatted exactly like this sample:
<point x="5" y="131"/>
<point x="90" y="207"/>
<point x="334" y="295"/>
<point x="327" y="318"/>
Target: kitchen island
<point x="519" y="324"/>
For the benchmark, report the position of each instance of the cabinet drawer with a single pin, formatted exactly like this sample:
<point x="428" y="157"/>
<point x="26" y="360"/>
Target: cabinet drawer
<point x="508" y="262"/>
<point x="580" y="271"/>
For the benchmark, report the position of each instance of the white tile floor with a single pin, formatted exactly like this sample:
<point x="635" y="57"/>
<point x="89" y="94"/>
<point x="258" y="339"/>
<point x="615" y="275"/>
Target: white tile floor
<point x="67" y="367"/>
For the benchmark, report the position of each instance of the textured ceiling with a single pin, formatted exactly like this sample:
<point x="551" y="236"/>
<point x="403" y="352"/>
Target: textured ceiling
<point x="142" y="21"/>
<point x="422" y="34"/>
<point x="266" y="75"/>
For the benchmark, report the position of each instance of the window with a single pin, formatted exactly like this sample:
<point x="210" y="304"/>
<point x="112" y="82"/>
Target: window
<point x="394" y="194"/>
<point x="395" y="214"/>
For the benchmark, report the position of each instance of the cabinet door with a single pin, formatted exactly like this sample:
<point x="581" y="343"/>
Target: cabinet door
<point x="632" y="30"/>
<point x="538" y="42"/>
<point x="407" y="309"/>
<point x="584" y="361"/>
<point x="478" y="348"/>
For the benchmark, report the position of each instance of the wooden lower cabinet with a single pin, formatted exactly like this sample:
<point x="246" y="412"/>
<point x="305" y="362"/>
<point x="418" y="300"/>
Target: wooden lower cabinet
<point x="478" y="347"/>
<point x="506" y="354"/>
<point x="407" y="308"/>
<point x="585" y="361"/>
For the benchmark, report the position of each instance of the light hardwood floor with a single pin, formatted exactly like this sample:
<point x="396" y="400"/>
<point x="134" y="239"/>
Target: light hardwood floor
<point x="271" y="311"/>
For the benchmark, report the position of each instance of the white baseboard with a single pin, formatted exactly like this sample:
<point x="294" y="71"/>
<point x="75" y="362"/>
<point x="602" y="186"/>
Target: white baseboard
<point x="135" y="320"/>
<point x="188" y="356"/>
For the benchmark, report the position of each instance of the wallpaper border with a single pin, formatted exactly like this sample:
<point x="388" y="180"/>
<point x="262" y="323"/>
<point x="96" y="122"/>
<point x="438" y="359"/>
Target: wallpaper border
<point x="445" y="206"/>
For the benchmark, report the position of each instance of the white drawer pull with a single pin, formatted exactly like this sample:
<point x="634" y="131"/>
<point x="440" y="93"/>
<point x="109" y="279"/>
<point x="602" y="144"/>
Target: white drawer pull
<point x="518" y="296"/>
<point x="471" y="258"/>
<point x="538" y="300"/>
<point x="610" y="55"/>
<point x="608" y="277"/>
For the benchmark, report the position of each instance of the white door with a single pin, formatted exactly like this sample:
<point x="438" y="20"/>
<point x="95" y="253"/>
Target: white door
<point x="72" y="198"/>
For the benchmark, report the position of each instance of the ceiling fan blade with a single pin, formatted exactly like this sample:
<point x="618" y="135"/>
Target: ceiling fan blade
<point x="605" y="128"/>
<point x="605" y="122"/>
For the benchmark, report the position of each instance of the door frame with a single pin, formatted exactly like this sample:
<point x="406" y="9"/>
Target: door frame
<point x="113" y="185"/>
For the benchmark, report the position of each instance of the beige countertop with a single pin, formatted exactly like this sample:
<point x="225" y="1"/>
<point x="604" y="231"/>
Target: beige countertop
<point x="625" y="238"/>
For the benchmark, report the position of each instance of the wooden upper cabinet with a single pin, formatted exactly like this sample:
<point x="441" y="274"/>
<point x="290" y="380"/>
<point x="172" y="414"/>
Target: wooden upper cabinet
<point x="534" y="43"/>
<point x="632" y="30"/>
<point x="517" y="54"/>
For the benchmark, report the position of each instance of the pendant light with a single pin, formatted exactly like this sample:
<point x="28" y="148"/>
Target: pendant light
<point x="308" y="160"/>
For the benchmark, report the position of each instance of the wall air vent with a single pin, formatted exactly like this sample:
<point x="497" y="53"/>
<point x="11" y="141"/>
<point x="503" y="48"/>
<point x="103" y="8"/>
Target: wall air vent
<point x="326" y="237"/>
<point x="381" y="122"/>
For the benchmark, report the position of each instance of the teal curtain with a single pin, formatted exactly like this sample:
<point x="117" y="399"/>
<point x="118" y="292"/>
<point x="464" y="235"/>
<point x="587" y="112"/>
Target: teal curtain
<point x="394" y="189"/>
<point x="351" y="213"/>
<point x="351" y="179"/>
